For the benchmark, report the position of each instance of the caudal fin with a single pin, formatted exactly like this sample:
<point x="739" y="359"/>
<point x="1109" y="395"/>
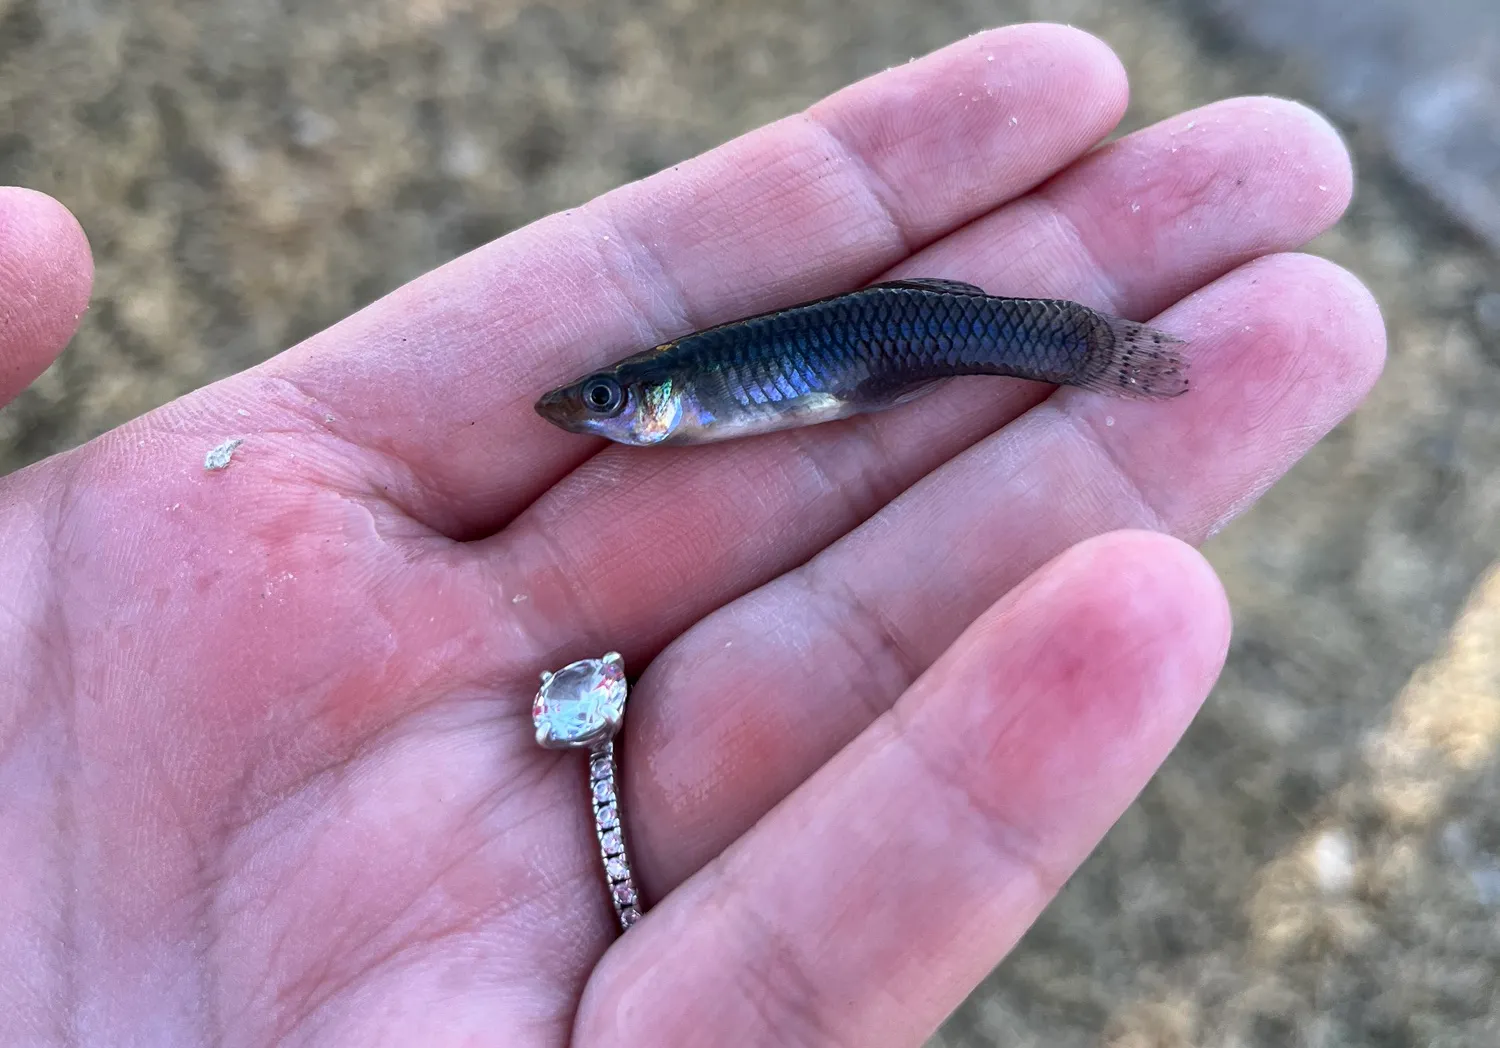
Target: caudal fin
<point x="1127" y="359"/>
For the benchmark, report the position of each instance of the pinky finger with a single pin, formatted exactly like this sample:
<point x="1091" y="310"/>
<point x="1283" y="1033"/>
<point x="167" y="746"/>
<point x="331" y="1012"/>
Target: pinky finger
<point x="46" y="274"/>
<point x="865" y="907"/>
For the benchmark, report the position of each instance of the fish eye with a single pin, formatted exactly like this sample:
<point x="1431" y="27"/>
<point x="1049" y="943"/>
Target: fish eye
<point x="602" y="395"/>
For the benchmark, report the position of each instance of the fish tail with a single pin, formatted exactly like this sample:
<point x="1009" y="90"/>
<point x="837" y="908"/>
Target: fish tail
<point x="1126" y="359"/>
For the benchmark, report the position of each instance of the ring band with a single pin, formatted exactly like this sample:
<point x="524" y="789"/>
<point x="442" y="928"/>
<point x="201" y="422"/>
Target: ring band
<point x="582" y="706"/>
<point x="622" y="893"/>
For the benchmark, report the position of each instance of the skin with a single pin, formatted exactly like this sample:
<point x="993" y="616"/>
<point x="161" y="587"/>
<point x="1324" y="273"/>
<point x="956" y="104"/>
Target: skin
<point x="265" y="738"/>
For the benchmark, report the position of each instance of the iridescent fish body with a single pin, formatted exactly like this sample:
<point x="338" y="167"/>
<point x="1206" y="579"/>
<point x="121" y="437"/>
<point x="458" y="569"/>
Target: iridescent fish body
<point x="856" y="353"/>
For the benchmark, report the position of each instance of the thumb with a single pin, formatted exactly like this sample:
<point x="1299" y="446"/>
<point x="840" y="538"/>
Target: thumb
<point x="46" y="274"/>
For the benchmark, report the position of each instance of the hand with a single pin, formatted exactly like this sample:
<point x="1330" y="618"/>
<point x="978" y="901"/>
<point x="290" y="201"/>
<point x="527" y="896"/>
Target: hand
<point x="267" y="756"/>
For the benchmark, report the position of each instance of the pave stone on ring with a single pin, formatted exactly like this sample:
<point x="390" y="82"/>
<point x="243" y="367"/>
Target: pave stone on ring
<point x="581" y="706"/>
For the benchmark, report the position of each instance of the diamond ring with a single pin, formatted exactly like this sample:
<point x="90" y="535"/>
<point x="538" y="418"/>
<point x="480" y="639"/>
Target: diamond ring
<point x="581" y="707"/>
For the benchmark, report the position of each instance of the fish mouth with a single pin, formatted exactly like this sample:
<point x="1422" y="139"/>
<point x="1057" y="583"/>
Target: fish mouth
<point x="557" y="408"/>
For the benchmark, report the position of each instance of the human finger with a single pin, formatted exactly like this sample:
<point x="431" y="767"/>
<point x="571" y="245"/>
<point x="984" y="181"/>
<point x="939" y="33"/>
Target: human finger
<point x="441" y="376"/>
<point x="873" y="900"/>
<point x="749" y="702"/>
<point x="636" y="546"/>
<point x="46" y="274"/>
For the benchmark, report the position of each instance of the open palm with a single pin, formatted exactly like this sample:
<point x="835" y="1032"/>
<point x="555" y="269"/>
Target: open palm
<point x="265" y="736"/>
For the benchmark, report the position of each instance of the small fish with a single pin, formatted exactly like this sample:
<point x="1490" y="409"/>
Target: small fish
<point x="855" y="353"/>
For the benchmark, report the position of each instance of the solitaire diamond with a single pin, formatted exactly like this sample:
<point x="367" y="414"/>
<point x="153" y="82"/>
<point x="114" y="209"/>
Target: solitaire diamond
<point x="581" y="704"/>
<point x="581" y="707"/>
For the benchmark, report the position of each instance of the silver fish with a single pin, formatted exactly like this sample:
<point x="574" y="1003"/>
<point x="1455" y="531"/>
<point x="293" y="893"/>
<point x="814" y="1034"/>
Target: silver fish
<point x="855" y="353"/>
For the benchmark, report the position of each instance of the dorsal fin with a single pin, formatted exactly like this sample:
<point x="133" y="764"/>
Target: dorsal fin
<point x="947" y="287"/>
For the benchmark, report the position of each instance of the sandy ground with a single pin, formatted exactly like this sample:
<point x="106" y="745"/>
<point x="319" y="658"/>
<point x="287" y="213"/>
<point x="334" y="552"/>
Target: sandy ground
<point x="1319" y="863"/>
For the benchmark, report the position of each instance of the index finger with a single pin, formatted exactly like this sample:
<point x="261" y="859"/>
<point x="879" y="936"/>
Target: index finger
<point x="440" y="376"/>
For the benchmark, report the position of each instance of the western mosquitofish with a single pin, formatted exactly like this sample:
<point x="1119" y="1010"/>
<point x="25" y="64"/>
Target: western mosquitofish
<point x="859" y="352"/>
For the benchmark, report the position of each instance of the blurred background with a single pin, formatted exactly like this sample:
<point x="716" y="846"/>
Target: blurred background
<point x="1319" y="863"/>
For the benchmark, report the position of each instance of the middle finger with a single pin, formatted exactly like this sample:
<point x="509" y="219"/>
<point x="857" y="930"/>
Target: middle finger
<point x="751" y="701"/>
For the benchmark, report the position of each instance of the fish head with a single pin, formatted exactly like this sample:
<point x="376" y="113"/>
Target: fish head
<point x="626" y="407"/>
